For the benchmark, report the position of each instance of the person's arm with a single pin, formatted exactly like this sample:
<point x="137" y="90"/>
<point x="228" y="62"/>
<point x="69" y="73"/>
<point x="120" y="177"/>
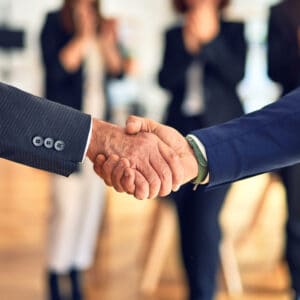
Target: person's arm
<point x="49" y="136"/>
<point x="40" y="133"/>
<point x="256" y="143"/>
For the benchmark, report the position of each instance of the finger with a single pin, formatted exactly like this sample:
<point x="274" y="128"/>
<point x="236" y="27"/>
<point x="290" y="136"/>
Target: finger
<point x="118" y="173"/>
<point x="174" y="163"/>
<point x="162" y="169"/>
<point x="151" y="176"/>
<point x="134" y="125"/>
<point x="128" y="181"/>
<point x="108" y="168"/>
<point x="98" y="164"/>
<point x="142" y="188"/>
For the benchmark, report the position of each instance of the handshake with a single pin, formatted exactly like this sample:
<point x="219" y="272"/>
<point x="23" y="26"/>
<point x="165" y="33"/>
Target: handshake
<point x="146" y="159"/>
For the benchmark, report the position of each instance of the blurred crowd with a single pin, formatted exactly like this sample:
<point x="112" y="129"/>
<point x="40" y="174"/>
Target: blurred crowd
<point x="90" y="67"/>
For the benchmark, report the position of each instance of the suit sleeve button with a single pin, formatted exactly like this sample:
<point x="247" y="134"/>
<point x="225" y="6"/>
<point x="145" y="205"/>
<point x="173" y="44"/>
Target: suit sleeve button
<point x="38" y="141"/>
<point x="48" y="143"/>
<point x="59" y="146"/>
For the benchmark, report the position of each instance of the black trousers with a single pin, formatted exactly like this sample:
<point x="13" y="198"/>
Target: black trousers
<point x="291" y="180"/>
<point x="198" y="213"/>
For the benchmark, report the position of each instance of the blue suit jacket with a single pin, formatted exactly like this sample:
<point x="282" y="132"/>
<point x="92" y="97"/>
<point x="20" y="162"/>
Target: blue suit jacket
<point x="23" y="117"/>
<point x="259" y="142"/>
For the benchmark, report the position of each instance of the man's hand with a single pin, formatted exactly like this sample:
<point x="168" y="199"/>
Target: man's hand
<point x="154" y="166"/>
<point x="123" y="177"/>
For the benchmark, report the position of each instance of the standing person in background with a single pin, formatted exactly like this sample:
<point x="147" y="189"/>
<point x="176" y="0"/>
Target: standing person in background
<point x="78" y="46"/>
<point x="204" y="60"/>
<point x="284" y="68"/>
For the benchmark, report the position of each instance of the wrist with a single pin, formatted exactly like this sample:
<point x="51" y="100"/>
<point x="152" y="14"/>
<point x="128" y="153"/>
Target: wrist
<point x="104" y="138"/>
<point x="201" y="161"/>
<point x="98" y="140"/>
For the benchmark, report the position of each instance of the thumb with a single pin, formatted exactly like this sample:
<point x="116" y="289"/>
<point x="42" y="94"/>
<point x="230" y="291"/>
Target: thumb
<point x="135" y="125"/>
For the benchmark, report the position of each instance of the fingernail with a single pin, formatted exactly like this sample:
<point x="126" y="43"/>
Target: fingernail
<point x="176" y="189"/>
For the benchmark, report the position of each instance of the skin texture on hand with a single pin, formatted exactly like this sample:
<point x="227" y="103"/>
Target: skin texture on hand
<point x="156" y="166"/>
<point x="124" y="177"/>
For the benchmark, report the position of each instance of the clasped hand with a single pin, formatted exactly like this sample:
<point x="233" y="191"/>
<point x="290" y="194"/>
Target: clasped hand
<point x="146" y="159"/>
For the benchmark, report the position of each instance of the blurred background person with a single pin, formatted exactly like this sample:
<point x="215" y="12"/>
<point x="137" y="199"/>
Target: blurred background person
<point x="203" y="62"/>
<point x="284" y="68"/>
<point x="80" y="50"/>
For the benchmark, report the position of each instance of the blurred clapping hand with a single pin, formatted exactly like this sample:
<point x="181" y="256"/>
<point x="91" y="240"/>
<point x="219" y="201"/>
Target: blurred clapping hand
<point x="201" y="25"/>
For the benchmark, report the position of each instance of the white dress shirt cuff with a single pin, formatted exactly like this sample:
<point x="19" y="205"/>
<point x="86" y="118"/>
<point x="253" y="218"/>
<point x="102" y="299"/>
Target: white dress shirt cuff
<point x="88" y="141"/>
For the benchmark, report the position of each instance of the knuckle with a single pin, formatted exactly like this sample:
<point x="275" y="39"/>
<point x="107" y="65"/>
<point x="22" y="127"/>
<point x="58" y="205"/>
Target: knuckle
<point x="153" y="180"/>
<point x="106" y="173"/>
<point x="173" y="156"/>
<point x="118" y="189"/>
<point x="128" y="186"/>
<point x="131" y="118"/>
<point x="165" y="174"/>
<point x="97" y="170"/>
<point x="141" y="187"/>
<point x="107" y="181"/>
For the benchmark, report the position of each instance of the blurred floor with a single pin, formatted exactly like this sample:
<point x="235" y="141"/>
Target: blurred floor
<point x="124" y="239"/>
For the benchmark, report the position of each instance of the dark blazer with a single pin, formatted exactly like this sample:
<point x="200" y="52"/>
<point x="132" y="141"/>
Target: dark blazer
<point x="39" y="133"/>
<point x="283" y="49"/>
<point x="60" y="85"/>
<point x="223" y="61"/>
<point x="259" y="142"/>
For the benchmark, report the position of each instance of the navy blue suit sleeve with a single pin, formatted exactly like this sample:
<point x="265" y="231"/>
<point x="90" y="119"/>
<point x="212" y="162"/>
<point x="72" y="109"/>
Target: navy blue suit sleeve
<point x="24" y="116"/>
<point x="259" y="142"/>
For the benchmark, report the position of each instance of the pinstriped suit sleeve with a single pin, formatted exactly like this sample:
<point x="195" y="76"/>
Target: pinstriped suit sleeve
<point x="259" y="142"/>
<point x="24" y="117"/>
